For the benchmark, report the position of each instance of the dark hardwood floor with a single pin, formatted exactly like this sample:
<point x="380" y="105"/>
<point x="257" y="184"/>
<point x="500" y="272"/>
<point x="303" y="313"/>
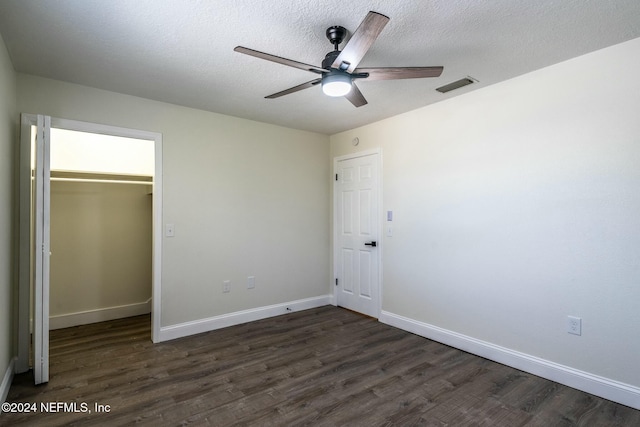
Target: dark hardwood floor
<point x="320" y="367"/>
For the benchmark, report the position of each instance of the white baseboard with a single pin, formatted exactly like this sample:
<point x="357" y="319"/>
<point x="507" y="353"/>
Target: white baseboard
<point x="6" y="381"/>
<point x="609" y="389"/>
<point x="217" y="322"/>
<point x="99" y="315"/>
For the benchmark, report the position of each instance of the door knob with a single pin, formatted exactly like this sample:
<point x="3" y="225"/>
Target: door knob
<point x="372" y="244"/>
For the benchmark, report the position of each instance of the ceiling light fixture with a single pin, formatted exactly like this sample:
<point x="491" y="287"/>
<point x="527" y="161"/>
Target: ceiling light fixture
<point x="336" y="83"/>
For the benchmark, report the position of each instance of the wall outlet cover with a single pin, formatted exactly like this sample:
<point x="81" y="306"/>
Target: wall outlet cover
<point x="574" y="325"/>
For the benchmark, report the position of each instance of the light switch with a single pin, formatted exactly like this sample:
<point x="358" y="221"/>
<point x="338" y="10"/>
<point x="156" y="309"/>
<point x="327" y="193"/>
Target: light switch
<point x="169" y="230"/>
<point x="389" y="216"/>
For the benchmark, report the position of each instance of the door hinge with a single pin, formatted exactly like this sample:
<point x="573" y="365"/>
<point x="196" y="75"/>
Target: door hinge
<point x="336" y="177"/>
<point x="336" y="281"/>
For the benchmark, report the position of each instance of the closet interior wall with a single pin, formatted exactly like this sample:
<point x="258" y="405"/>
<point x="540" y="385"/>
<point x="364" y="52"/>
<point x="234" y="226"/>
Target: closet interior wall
<point x="101" y="247"/>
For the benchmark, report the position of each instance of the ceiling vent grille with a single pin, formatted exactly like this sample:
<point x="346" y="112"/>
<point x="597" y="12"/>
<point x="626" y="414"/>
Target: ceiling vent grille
<point x="456" y="85"/>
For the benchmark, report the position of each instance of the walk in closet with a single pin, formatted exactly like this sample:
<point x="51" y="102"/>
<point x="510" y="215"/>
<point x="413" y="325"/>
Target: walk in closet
<point x="101" y="227"/>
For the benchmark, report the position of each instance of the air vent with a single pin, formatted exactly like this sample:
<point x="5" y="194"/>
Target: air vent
<point x="456" y="85"/>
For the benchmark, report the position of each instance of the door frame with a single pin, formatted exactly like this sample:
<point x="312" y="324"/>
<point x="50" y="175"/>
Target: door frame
<point x="334" y="247"/>
<point x="24" y="292"/>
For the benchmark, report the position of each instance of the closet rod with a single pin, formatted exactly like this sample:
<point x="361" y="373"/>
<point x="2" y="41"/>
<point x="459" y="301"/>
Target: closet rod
<point x="106" y="181"/>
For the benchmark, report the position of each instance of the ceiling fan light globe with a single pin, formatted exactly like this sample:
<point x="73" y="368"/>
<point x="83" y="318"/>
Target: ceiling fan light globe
<point x="336" y="88"/>
<point x="336" y="85"/>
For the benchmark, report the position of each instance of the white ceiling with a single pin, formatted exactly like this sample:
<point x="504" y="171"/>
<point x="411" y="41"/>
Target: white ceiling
<point x="181" y="51"/>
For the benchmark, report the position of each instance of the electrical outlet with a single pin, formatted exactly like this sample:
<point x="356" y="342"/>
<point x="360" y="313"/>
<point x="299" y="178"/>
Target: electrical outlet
<point x="574" y="325"/>
<point x="251" y="282"/>
<point x="226" y="286"/>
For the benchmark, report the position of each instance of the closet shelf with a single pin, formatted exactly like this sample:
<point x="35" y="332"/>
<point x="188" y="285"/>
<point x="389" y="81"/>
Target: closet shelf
<point x="103" y="181"/>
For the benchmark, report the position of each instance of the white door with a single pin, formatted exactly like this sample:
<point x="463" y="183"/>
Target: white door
<point x="357" y="248"/>
<point x="41" y="247"/>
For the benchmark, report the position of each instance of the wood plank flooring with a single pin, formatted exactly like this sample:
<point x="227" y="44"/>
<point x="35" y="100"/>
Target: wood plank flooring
<point x="320" y="367"/>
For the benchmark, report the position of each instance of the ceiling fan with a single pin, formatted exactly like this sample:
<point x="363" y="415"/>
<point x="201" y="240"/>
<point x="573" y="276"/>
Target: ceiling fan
<point x="338" y="71"/>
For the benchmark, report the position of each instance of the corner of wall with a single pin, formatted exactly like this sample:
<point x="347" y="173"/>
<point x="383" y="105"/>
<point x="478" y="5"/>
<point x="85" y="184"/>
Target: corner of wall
<point x="8" y="217"/>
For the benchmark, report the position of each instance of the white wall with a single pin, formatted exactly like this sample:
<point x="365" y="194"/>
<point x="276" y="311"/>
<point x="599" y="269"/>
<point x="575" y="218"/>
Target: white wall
<point x="8" y="135"/>
<point x="518" y="204"/>
<point x="246" y="198"/>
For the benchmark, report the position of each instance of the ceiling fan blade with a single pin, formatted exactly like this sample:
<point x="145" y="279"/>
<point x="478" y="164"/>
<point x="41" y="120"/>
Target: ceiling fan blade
<point x="397" y="73"/>
<point x="280" y="60"/>
<point x="355" y="96"/>
<point x="360" y="42"/>
<point x="295" y="89"/>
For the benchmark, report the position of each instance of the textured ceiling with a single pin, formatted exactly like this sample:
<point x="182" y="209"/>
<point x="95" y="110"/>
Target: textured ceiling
<point x="181" y="51"/>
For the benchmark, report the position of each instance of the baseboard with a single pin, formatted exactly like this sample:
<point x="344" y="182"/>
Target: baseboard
<point x="99" y="315"/>
<point x="217" y="322"/>
<point x="6" y="381"/>
<point x="609" y="389"/>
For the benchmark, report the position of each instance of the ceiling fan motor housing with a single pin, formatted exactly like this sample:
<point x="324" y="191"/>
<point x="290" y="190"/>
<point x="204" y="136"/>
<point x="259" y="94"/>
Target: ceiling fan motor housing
<point x="336" y="34"/>
<point x="329" y="58"/>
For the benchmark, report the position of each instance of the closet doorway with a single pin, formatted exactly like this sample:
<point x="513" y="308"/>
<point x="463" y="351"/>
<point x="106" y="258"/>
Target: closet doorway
<point x="92" y="196"/>
<point x="101" y="233"/>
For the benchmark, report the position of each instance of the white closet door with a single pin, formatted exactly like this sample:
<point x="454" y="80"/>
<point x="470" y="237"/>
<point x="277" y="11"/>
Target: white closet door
<point x="41" y="250"/>
<point x="357" y="240"/>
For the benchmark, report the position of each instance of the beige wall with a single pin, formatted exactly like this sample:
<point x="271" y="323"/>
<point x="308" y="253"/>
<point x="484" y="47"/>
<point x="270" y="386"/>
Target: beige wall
<point x="8" y="153"/>
<point x="101" y="246"/>
<point x="246" y="198"/>
<point x="518" y="204"/>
